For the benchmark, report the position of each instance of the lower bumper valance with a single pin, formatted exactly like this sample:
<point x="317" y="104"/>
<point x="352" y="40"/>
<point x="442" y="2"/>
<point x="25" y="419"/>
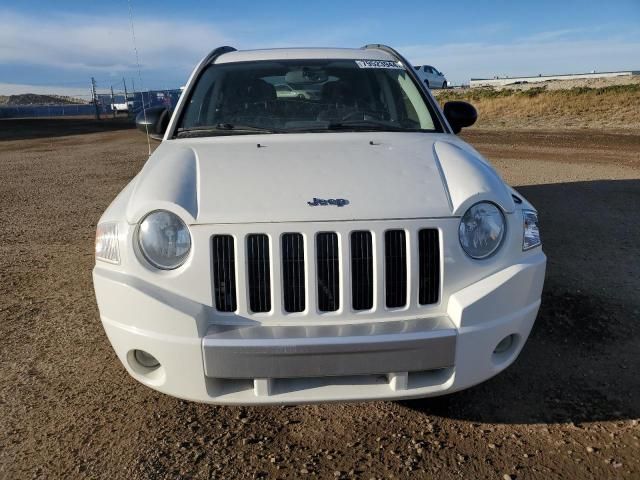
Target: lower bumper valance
<point x="260" y="351"/>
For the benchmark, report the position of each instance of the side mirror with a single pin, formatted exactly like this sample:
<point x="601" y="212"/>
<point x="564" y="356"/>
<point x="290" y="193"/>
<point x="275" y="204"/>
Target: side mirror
<point x="460" y="115"/>
<point x="154" y="120"/>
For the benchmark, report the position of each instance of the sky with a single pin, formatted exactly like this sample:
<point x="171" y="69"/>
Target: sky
<point x="51" y="46"/>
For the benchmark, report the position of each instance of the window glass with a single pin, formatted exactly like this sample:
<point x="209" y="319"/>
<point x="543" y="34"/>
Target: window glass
<point x="319" y="95"/>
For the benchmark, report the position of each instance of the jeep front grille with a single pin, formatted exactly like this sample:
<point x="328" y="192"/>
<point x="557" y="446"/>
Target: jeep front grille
<point x="328" y="269"/>
<point x="259" y="274"/>
<point x="224" y="273"/>
<point x="361" y="270"/>
<point x="395" y="268"/>
<point x="326" y="272"/>
<point x="429" y="265"/>
<point x="293" y="276"/>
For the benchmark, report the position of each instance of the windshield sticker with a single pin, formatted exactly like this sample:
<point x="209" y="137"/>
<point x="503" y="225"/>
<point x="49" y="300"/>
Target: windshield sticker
<point x="379" y="64"/>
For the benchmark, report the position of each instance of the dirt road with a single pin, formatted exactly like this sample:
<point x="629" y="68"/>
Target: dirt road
<point x="569" y="407"/>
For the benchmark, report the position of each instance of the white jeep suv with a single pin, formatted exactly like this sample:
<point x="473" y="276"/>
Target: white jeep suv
<point x="284" y="250"/>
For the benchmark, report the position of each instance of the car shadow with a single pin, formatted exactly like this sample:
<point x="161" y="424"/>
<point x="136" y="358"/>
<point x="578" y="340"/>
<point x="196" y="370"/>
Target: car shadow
<point x="581" y="361"/>
<point x="29" y="128"/>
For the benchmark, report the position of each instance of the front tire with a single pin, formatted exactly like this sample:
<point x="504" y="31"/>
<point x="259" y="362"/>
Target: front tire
<point x="444" y="85"/>
<point x="426" y="82"/>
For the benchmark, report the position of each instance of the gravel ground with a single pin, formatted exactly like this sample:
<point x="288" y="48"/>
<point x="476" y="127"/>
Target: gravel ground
<point x="569" y="407"/>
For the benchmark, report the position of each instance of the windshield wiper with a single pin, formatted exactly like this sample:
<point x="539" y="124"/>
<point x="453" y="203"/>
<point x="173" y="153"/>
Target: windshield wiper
<point x="245" y="128"/>
<point x="363" y="125"/>
<point x="221" y="129"/>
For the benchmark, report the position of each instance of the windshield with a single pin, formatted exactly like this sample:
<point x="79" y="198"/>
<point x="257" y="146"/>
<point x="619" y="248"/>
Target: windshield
<point x="305" y="95"/>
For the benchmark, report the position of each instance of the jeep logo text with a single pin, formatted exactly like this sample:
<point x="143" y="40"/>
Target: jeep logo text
<point x="338" y="202"/>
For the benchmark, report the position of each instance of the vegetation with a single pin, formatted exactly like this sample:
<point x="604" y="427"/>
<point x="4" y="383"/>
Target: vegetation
<point x="611" y="107"/>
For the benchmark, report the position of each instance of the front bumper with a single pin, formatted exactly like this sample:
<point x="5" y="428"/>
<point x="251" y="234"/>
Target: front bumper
<point x="270" y="363"/>
<point x="255" y="351"/>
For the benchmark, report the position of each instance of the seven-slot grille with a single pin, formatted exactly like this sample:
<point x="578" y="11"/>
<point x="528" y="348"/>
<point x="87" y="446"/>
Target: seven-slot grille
<point x="361" y="271"/>
<point x="293" y="276"/>
<point x="325" y="251"/>
<point x="395" y="268"/>
<point x="224" y="273"/>
<point x="259" y="274"/>
<point x="328" y="268"/>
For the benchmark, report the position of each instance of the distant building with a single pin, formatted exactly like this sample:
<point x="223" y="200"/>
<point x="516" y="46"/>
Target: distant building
<point x="502" y="81"/>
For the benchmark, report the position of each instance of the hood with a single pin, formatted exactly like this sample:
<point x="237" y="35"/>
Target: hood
<point x="314" y="177"/>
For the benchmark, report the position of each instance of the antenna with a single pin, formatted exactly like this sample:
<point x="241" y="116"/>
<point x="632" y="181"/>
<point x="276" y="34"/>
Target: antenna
<point x="135" y="49"/>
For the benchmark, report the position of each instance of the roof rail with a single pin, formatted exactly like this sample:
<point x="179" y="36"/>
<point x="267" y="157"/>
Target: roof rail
<point x="394" y="53"/>
<point x="215" y="53"/>
<point x="385" y="48"/>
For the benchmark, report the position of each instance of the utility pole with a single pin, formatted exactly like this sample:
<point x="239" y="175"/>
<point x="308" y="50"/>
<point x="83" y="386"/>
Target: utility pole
<point x="94" y="95"/>
<point x="113" y="103"/>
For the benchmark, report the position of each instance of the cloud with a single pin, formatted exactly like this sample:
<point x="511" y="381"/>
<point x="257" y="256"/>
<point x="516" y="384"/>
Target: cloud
<point x="72" y="48"/>
<point x="554" y="34"/>
<point x="17" y="89"/>
<point x="460" y="61"/>
<point x="484" y="29"/>
<point x="103" y="44"/>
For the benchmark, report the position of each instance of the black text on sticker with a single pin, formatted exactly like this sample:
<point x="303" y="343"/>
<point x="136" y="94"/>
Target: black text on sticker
<point x="379" y="64"/>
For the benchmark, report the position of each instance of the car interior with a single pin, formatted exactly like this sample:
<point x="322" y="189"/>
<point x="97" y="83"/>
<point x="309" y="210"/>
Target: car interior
<point x="332" y="92"/>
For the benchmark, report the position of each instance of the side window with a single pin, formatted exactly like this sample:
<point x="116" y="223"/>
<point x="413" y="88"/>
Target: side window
<point x="200" y="110"/>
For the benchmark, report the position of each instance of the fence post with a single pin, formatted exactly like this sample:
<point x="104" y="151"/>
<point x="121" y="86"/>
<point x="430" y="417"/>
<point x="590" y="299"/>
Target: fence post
<point x="126" y="95"/>
<point x="113" y="102"/>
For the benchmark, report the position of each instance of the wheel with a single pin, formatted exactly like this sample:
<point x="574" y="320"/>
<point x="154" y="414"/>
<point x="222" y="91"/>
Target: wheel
<point x="426" y="82"/>
<point x="301" y="96"/>
<point x="444" y="85"/>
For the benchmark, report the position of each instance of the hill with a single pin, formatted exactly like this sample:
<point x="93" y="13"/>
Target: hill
<point x="37" y="99"/>
<point x="614" y="107"/>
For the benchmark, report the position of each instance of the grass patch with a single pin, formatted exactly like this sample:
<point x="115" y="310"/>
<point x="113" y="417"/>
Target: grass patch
<point x="611" y="107"/>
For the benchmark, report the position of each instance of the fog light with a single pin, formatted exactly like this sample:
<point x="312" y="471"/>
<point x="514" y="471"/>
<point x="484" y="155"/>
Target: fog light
<point x="504" y="345"/>
<point x="145" y="359"/>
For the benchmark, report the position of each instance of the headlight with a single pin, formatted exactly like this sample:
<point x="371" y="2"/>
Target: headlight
<point x="481" y="230"/>
<point x="107" y="243"/>
<point x="164" y="240"/>
<point x="531" y="237"/>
